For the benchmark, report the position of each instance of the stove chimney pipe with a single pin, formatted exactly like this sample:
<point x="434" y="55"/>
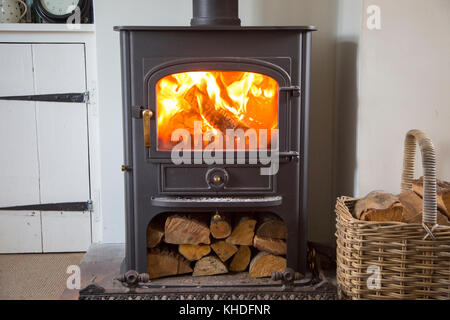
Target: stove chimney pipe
<point x="216" y="13"/>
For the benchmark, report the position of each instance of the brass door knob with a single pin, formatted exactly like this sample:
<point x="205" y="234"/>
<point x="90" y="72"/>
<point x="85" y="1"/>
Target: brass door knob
<point x="125" y="168"/>
<point x="217" y="179"/>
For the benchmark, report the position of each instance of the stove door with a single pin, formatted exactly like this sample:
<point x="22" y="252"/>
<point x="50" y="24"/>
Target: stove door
<point x="206" y="108"/>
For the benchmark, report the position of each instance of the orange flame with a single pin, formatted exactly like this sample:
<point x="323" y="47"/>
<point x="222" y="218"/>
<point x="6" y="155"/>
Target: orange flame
<point x="221" y="100"/>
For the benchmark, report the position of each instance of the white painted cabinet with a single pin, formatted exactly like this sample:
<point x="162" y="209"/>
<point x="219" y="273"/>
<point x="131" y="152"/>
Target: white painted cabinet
<point x="44" y="148"/>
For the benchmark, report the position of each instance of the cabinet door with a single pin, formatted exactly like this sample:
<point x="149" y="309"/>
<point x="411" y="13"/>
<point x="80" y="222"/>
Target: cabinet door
<point x="62" y="133"/>
<point x="44" y="149"/>
<point x="19" y="164"/>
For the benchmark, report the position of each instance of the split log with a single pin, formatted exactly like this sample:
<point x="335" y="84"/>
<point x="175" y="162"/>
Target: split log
<point x="394" y="213"/>
<point x="264" y="264"/>
<point x="220" y="226"/>
<point x="194" y="252"/>
<point x="209" y="266"/>
<point x="243" y="232"/>
<point x="443" y="192"/>
<point x="163" y="263"/>
<point x="270" y="226"/>
<point x="446" y="200"/>
<point x="413" y="206"/>
<point x="379" y="206"/>
<point x="274" y="246"/>
<point x="186" y="230"/>
<point x="224" y="250"/>
<point x="155" y="232"/>
<point x="154" y="236"/>
<point x="241" y="259"/>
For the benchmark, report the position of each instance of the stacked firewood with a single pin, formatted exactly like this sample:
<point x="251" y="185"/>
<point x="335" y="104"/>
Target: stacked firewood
<point x="206" y="245"/>
<point x="405" y="207"/>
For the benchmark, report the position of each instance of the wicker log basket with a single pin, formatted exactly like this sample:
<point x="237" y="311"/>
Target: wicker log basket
<point x="395" y="260"/>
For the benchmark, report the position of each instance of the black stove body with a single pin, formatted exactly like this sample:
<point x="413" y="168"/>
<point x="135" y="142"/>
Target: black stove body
<point x="154" y="184"/>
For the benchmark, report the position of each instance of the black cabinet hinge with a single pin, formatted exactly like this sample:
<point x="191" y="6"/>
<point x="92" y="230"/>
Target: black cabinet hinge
<point x="65" y="206"/>
<point x="82" y="97"/>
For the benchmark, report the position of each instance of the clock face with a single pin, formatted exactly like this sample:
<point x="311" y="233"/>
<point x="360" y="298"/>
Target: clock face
<point x="59" y="7"/>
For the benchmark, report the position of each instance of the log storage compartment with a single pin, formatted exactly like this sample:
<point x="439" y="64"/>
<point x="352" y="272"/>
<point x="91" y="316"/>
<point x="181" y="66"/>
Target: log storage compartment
<point x="216" y="122"/>
<point x="186" y="244"/>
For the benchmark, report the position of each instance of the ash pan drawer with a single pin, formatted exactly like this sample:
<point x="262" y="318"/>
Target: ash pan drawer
<point x="183" y="180"/>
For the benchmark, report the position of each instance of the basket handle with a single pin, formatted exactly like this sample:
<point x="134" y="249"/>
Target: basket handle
<point x="414" y="137"/>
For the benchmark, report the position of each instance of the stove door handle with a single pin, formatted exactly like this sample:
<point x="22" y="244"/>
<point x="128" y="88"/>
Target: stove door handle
<point x="146" y="116"/>
<point x="294" y="90"/>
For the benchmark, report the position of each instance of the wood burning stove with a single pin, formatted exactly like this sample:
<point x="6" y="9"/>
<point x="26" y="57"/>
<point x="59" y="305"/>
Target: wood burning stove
<point x="212" y="77"/>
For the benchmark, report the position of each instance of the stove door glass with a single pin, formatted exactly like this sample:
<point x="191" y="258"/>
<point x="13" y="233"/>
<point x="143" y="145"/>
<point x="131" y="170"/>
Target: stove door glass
<point x="220" y="109"/>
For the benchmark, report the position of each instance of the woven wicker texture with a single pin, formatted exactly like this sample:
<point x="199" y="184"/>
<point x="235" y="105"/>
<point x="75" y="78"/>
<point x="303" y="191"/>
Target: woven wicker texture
<point x="407" y="261"/>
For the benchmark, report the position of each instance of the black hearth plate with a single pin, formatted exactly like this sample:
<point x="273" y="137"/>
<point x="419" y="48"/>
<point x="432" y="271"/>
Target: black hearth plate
<point x="101" y="265"/>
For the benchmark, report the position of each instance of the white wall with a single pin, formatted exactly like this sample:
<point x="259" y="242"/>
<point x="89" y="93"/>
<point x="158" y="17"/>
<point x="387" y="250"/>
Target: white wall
<point x="346" y="98"/>
<point x="357" y="136"/>
<point x="405" y="84"/>
<point x="107" y="15"/>
<point x="322" y="13"/>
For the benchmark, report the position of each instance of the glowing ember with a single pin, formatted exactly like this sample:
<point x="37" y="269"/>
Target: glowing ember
<point x="221" y="100"/>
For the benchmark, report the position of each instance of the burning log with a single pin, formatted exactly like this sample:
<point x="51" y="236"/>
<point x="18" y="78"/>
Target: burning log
<point x="209" y="266"/>
<point x="274" y="246"/>
<point x="224" y="250"/>
<point x="270" y="226"/>
<point x="219" y="117"/>
<point x="194" y="252"/>
<point x="163" y="263"/>
<point x="220" y="226"/>
<point x="264" y="264"/>
<point x="186" y="230"/>
<point x="223" y="91"/>
<point x="241" y="259"/>
<point x="243" y="232"/>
